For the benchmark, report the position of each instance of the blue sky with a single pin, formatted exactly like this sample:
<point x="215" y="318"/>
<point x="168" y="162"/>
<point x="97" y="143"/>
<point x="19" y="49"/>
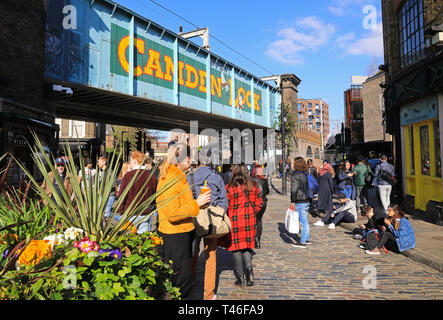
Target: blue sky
<point x="323" y="42"/>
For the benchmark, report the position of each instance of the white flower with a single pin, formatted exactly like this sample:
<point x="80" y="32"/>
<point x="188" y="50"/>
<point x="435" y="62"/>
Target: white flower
<point x="72" y="233"/>
<point x="60" y="240"/>
<point x="55" y="239"/>
<point x="51" y="239"/>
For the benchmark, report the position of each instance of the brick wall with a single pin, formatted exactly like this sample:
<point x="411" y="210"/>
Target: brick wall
<point x="22" y="48"/>
<point x="372" y="109"/>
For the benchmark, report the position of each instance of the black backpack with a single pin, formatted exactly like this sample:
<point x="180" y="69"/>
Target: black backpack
<point x="386" y="176"/>
<point x="372" y="239"/>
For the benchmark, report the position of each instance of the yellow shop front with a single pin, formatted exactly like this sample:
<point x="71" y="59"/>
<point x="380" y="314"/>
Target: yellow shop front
<point x="422" y="147"/>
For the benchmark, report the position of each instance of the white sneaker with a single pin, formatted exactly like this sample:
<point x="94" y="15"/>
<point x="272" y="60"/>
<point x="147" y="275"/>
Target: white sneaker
<point x="331" y="226"/>
<point x="372" y="252"/>
<point x="319" y="223"/>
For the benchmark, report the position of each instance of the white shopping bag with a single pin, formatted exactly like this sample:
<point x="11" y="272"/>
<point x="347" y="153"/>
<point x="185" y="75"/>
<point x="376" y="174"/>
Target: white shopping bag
<point x="292" y="223"/>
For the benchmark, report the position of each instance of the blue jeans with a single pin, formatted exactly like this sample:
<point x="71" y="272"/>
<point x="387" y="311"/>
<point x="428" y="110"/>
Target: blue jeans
<point x="302" y="209"/>
<point x="142" y="227"/>
<point x="347" y="191"/>
<point x="108" y="212"/>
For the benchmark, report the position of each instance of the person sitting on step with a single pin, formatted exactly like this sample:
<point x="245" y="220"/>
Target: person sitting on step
<point x="346" y="213"/>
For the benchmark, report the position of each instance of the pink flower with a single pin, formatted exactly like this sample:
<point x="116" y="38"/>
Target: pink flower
<point x="86" y="245"/>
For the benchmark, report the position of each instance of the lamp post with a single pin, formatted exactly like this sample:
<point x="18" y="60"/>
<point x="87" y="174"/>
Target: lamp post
<point x="283" y="119"/>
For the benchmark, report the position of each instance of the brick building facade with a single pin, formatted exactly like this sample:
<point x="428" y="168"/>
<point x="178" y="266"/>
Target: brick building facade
<point x="311" y="112"/>
<point x="414" y="96"/>
<point x="22" y="87"/>
<point x="373" y="109"/>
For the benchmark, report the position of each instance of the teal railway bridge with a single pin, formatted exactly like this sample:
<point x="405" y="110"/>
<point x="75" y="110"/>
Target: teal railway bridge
<point x="107" y="64"/>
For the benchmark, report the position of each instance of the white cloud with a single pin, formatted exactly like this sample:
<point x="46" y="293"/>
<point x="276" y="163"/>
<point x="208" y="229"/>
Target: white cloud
<point x="370" y="44"/>
<point x="338" y="11"/>
<point x="349" y="7"/>
<point x="309" y="33"/>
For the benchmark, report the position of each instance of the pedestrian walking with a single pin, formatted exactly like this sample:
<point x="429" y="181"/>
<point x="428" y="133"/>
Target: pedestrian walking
<point x="325" y="188"/>
<point x="245" y="202"/>
<point x="346" y="213"/>
<point x="384" y="187"/>
<point x="60" y="165"/>
<point x="124" y="169"/>
<point x="89" y="175"/>
<point x="280" y="169"/>
<point x="263" y="185"/>
<point x="313" y="171"/>
<point x="373" y="159"/>
<point x="345" y="180"/>
<point x="398" y="232"/>
<point x="102" y="165"/>
<point x="197" y="179"/>
<point x="299" y="197"/>
<point x="361" y="173"/>
<point x="176" y="210"/>
<point x="143" y="187"/>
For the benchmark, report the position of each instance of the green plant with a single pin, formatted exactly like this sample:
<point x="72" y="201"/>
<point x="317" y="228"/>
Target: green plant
<point x="21" y="220"/>
<point x="30" y="273"/>
<point x="129" y="268"/>
<point x="86" y="206"/>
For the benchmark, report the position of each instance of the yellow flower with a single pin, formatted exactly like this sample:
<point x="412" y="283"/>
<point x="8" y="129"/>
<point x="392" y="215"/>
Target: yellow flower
<point x="157" y="240"/>
<point x="34" y="252"/>
<point x="130" y="227"/>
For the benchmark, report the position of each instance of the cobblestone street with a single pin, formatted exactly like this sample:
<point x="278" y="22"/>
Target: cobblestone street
<point x="331" y="267"/>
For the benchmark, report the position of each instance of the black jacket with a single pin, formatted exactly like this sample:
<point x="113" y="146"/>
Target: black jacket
<point x="299" y="187"/>
<point x="263" y="186"/>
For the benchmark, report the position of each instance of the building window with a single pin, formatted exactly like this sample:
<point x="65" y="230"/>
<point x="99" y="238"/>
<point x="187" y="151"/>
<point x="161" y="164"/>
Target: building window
<point x="309" y="152"/>
<point x="424" y="151"/>
<point x="77" y="129"/>
<point x="437" y="148"/>
<point x="412" y="40"/>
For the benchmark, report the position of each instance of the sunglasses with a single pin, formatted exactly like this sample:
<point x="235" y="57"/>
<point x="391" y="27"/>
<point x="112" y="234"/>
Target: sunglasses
<point x="61" y="165"/>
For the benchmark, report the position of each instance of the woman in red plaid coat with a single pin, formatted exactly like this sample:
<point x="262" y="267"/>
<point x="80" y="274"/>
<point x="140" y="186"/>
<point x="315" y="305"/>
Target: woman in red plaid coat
<point x="245" y="201"/>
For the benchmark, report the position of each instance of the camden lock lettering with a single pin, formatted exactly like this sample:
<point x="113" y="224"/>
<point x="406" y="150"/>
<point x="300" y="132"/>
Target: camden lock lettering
<point x="154" y="64"/>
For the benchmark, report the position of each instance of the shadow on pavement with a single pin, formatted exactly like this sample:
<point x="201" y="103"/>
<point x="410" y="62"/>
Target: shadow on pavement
<point x="275" y="189"/>
<point x="285" y="236"/>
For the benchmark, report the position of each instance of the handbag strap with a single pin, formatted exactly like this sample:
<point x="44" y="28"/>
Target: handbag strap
<point x="253" y="207"/>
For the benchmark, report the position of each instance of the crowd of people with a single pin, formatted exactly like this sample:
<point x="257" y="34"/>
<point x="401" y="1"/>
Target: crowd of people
<point x="241" y="192"/>
<point x="362" y="188"/>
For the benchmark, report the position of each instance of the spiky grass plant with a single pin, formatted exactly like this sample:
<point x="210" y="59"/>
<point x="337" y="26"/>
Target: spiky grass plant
<point x="85" y="208"/>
